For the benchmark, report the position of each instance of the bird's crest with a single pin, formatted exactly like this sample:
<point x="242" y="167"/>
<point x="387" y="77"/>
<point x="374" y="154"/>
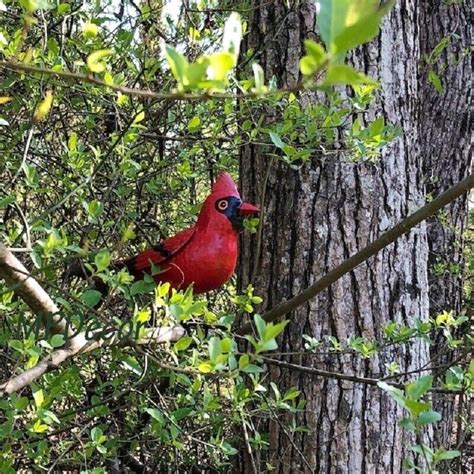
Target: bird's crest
<point x="224" y="186"/>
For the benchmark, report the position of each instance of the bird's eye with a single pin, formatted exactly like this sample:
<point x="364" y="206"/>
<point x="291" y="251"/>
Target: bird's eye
<point x="222" y="205"/>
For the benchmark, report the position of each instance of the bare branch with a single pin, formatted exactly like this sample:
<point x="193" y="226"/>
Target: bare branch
<point x="30" y="291"/>
<point x="348" y="265"/>
<point x="347" y="377"/>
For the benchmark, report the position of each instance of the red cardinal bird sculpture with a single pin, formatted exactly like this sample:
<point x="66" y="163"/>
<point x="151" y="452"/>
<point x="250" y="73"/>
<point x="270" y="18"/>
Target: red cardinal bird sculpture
<point x="205" y="254"/>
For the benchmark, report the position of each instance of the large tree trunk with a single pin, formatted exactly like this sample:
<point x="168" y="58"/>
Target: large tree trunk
<point x="445" y="121"/>
<point x="317" y="216"/>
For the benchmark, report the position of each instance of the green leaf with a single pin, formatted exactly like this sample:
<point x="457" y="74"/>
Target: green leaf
<point x="394" y="392"/>
<point x="63" y="8"/>
<point x="435" y="81"/>
<point x="363" y="29"/>
<point x="357" y="34"/>
<point x="90" y="30"/>
<point x="343" y="74"/>
<point x="314" y="50"/>
<point x="273" y="330"/>
<point x="261" y="325"/>
<point x="205" y="367"/>
<point x="308" y="66"/>
<point x="39" y="427"/>
<point x="243" y="361"/>
<point x="311" y="62"/>
<point x="6" y="201"/>
<point x="415" y="390"/>
<point x="428" y="417"/>
<point x="139" y="117"/>
<point x="181" y="413"/>
<point x="194" y="124"/>
<point x="345" y="24"/>
<point x="139" y="287"/>
<point x="183" y="343"/>
<point x="291" y="394"/>
<point x="95" y="61"/>
<point x="143" y="315"/>
<point x="102" y="260"/>
<point x="446" y="455"/>
<point x="415" y="407"/>
<point x="196" y="72"/>
<point x="96" y="434"/>
<point x="178" y="64"/>
<point x="408" y="424"/>
<point x="220" y="64"/>
<point x="36" y="259"/>
<point x="21" y="403"/>
<point x="252" y="369"/>
<point x="44" y="107"/>
<point x="57" y="340"/>
<point x="214" y="349"/>
<point x="331" y="19"/>
<point x="16" y="344"/>
<point x="95" y="208"/>
<point x="91" y="297"/>
<point x="131" y="363"/>
<point x="163" y="289"/>
<point x="38" y="396"/>
<point x="276" y="140"/>
<point x="29" y="5"/>
<point x="156" y="415"/>
<point x="266" y="345"/>
<point x="377" y="126"/>
<point x="49" y="417"/>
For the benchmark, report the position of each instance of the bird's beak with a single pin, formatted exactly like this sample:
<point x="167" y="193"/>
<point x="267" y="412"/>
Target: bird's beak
<point x="247" y="209"/>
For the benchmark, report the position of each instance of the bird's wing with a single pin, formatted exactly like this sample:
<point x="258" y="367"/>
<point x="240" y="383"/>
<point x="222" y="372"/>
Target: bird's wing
<point x="159" y="253"/>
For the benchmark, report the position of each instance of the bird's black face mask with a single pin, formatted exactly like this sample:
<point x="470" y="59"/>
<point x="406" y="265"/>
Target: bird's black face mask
<point x="235" y="210"/>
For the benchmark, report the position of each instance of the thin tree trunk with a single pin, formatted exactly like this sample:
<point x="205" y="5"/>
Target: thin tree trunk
<point x="317" y="216"/>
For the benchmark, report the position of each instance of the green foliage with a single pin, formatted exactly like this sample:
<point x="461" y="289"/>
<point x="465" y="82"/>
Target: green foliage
<point x="420" y="414"/>
<point x="96" y="173"/>
<point x="346" y="24"/>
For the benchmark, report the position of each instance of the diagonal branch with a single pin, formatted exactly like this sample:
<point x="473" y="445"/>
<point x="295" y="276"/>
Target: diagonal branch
<point x="348" y="265"/>
<point x="30" y="291"/>
<point x="19" y="279"/>
<point x="81" y="344"/>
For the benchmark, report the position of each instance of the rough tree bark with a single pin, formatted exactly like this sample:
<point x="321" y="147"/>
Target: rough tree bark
<point x="445" y="121"/>
<point x="317" y="216"/>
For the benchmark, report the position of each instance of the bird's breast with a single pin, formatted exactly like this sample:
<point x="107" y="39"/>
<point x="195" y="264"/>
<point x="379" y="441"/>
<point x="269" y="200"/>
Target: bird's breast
<point x="207" y="262"/>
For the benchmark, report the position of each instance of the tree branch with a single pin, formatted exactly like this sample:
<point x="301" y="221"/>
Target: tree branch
<point x="349" y="378"/>
<point x="80" y="344"/>
<point x="30" y="291"/>
<point x="348" y="265"/>
<point x="19" y="279"/>
<point x="90" y="79"/>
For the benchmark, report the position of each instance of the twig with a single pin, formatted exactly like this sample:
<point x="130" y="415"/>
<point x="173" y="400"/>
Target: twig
<point x="25" y="154"/>
<point x="172" y="96"/>
<point x="349" y="378"/>
<point x="25" y="225"/>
